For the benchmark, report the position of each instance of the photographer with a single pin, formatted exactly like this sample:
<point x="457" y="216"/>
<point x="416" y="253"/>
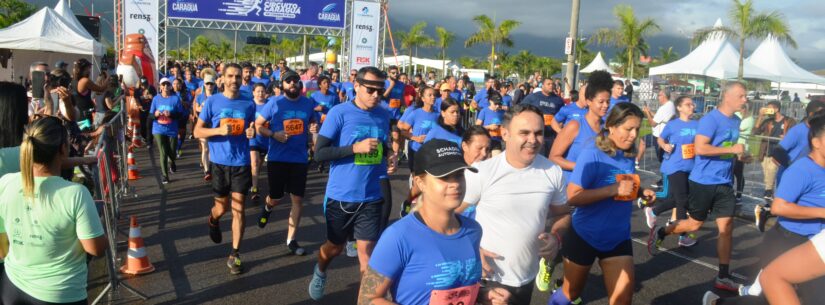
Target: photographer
<point x="37" y="73"/>
<point x="82" y="88"/>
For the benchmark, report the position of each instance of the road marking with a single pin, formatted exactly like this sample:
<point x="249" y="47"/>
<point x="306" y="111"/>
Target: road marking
<point x="693" y="260"/>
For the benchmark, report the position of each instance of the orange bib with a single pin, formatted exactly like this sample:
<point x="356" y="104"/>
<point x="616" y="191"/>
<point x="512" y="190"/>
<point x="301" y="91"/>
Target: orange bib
<point x="636" y="183"/>
<point x="688" y="151"/>
<point x="395" y="103"/>
<point x="236" y="125"/>
<point x="294" y="127"/>
<point x="462" y="295"/>
<point x="547" y="119"/>
<point x="495" y="133"/>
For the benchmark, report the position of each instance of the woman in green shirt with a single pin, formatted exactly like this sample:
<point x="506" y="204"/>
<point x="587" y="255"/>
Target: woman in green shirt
<point x="51" y="224"/>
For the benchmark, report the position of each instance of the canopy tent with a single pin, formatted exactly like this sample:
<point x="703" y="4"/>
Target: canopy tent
<point x="403" y="60"/>
<point x="716" y="58"/>
<point x="598" y="63"/>
<point x="314" y="57"/>
<point x="45" y="36"/>
<point x="771" y="57"/>
<point x="62" y="8"/>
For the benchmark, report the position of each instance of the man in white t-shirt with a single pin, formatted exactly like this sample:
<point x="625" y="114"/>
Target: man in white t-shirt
<point x="658" y="121"/>
<point x="513" y="195"/>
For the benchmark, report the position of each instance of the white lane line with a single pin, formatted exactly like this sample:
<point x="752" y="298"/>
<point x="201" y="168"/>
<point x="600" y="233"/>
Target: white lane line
<point x="693" y="260"/>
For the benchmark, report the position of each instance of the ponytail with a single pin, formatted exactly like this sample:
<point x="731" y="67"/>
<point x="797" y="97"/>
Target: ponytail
<point x="42" y="142"/>
<point x="26" y="171"/>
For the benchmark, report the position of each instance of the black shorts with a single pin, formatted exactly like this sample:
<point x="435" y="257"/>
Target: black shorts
<point x="259" y="149"/>
<point x="361" y="220"/>
<point x="704" y="198"/>
<point x="286" y="177"/>
<point x="577" y="250"/>
<point x="411" y="157"/>
<point x="226" y="179"/>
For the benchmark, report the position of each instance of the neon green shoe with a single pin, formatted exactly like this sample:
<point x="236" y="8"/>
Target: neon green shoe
<point x="544" y="277"/>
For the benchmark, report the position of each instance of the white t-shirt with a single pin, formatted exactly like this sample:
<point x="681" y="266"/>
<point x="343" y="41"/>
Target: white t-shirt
<point x="663" y="114"/>
<point x="512" y="208"/>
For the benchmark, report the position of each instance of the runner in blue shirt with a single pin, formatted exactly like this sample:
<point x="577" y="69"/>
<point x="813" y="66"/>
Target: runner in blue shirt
<point x="448" y="126"/>
<point x="347" y="92"/>
<point x="259" y="145"/>
<point x="602" y="188"/>
<point x="335" y="81"/>
<point x="573" y="111"/>
<point x="288" y="121"/>
<point x="490" y="118"/>
<point x="324" y="98"/>
<point x="414" y="125"/>
<point x="166" y="113"/>
<point x="209" y="88"/>
<point x="480" y="99"/>
<point x="258" y="77"/>
<point x="246" y="82"/>
<point x="355" y="140"/>
<point x="617" y="95"/>
<point x="231" y="118"/>
<point x="711" y="182"/>
<point x="550" y="104"/>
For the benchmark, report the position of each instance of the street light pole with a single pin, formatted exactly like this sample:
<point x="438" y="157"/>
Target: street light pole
<point x="574" y="30"/>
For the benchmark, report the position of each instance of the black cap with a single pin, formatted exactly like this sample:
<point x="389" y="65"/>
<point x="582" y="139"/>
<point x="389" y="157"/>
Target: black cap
<point x="440" y="158"/>
<point x="286" y="75"/>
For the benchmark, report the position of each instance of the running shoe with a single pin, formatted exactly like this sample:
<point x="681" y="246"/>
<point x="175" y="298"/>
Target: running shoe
<point x="768" y="195"/>
<point x="761" y="214"/>
<point x="658" y="184"/>
<point x="295" y="248"/>
<point x="352" y="249"/>
<point x="207" y="177"/>
<point x="317" y="284"/>
<point x="654" y="241"/>
<point x="264" y="218"/>
<point x="234" y="264"/>
<point x="543" y="279"/>
<point x="687" y="241"/>
<point x="726" y="283"/>
<point x="164" y="180"/>
<point x="214" y="230"/>
<point x="255" y="196"/>
<point x="180" y="152"/>
<point x="744" y="290"/>
<point x="405" y="208"/>
<point x="173" y="167"/>
<point x="650" y="218"/>
<point x="709" y="298"/>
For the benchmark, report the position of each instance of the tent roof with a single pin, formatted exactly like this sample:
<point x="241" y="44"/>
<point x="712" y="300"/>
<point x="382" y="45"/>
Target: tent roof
<point x="46" y="30"/>
<point x="598" y="63"/>
<point x="403" y="60"/>
<point x="771" y="57"/>
<point x="62" y="8"/>
<point x="716" y="58"/>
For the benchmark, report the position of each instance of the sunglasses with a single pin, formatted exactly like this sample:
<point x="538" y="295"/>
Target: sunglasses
<point x="291" y="80"/>
<point x="371" y="90"/>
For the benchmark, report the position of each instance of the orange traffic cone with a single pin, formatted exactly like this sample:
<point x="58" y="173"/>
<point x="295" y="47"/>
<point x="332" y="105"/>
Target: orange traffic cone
<point x="134" y="174"/>
<point x="137" y="261"/>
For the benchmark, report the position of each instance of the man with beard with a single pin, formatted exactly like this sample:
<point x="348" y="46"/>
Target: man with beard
<point x="550" y="104"/>
<point x="246" y="85"/>
<point x="393" y="97"/>
<point x="514" y="193"/>
<point x="285" y="120"/>
<point x="259" y="76"/>
<point x="229" y="114"/>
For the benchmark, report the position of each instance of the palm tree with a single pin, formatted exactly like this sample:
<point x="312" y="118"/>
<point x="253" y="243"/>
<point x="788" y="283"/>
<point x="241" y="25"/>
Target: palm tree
<point x="629" y="35"/>
<point x="445" y="39"/>
<point x="523" y="61"/>
<point x="489" y="32"/>
<point x="667" y="55"/>
<point x="749" y="24"/>
<point x="12" y="11"/>
<point x="202" y="47"/>
<point x="413" y="39"/>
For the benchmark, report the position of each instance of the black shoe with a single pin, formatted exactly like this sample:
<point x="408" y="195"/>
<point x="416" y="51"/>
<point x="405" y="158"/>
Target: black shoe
<point x="234" y="264"/>
<point x="164" y="180"/>
<point x="296" y="249"/>
<point x="264" y="218"/>
<point x="768" y="195"/>
<point x="173" y="167"/>
<point x="214" y="230"/>
<point x="405" y="207"/>
<point x="761" y="214"/>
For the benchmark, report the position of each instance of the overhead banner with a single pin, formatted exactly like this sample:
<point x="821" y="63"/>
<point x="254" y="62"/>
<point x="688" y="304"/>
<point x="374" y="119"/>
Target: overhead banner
<point x="366" y="19"/>
<point x="316" y="13"/>
<point x="141" y="17"/>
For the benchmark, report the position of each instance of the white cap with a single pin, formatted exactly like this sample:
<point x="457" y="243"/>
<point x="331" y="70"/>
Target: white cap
<point x="164" y="80"/>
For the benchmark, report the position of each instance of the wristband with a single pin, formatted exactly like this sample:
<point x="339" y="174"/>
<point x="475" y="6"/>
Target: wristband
<point x="558" y="238"/>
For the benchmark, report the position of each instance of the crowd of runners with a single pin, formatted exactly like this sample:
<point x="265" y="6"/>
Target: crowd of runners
<point x="507" y="182"/>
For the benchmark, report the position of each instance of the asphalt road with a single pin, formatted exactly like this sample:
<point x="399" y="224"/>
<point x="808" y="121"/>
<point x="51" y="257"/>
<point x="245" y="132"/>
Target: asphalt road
<point x="190" y="269"/>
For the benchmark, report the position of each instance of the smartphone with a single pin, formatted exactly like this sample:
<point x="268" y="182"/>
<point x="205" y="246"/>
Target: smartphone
<point x="769" y="111"/>
<point x="38" y="81"/>
<point x="55" y="103"/>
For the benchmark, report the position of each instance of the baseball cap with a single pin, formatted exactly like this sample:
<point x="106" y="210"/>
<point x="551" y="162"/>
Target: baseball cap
<point x="440" y="158"/>
<point x="209" y="78"/>
<point x="445" y="87"/>
<point x="164" y="80"/>
<point x="288" y="74"/>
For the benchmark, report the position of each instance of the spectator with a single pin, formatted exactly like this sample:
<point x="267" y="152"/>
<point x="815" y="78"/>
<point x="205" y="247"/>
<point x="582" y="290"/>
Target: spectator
<point x="38" y="104"/>
<point x="773" y="125"/>
<point x="628" y="90"/>
<point x="664" y="113"/>
<point x="796" y="98"/>
<point x="82" y="88"/>
<point x="745" y="132"/>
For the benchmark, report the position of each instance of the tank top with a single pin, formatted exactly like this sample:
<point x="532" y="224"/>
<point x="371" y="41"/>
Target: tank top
<point x="586" y="138"/>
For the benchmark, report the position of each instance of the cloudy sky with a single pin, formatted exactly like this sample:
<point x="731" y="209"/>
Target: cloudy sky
<point x="545" y="23"/>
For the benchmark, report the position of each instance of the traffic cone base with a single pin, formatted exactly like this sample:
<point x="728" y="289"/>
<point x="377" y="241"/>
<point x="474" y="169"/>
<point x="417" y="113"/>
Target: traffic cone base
<point x="137" y="260"/>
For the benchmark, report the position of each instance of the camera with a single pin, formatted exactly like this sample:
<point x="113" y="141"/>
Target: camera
<point x="63" y="80"/>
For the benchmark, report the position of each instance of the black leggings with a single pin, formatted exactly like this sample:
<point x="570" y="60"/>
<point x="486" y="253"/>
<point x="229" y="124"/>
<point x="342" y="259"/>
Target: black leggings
<point x="386" y="208"/>
<point x="11" y="295"/>
<point x="677" y="195"/>
<point x="739" y="176"/>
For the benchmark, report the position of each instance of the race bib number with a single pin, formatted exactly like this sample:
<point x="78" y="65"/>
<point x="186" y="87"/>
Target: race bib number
<point x="164" y="120"/>
<point x="547" y="119"/>
<point x="294" y="127"/>
<point x="495" y="132"/>
<point x="373" y="158"/>
<point x="395" y="103"/>
<point x="636" y="183"/>
<point x="323" y="117"/>
<point x="457" y="296"/>
<point x="727" y="156"/>
<point x="235" y="125"/>
<point x="688" y="151"/>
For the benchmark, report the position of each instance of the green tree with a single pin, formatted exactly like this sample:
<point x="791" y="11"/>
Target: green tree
<point x="224" y="50"/>
<point x="202" y="47"/>
<point x="414" y="39"/>
<point x="13" y="11"/>
<point x="523" y="61"/>
<point x="584" y="54"/>
<point x="489" y="32"/>
<point x="469" y="62"/>
<point x="630" y="34"/>
<point x="445" y="39"/>
<point x="667" y="55"/>
<point x="749" y="24"/>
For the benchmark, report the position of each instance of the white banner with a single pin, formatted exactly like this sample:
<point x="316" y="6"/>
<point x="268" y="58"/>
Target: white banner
<point x="141" y="16"/>
<point x="366" y="19"/>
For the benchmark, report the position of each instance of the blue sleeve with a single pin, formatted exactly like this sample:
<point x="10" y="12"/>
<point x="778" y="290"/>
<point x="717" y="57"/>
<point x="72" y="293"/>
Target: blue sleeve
<point x="154" y="105"/>
<point x="792" y="139"/>
<point x="666" y="133"/>
<point x="250" y="114"/>
<point x="266" y="111"/>
<point x="586" y="170"/>
<point x="206" y="114"/>
<point x="331" y="129"/>
<point x="408" y="117"/>
<point x="793" y="183"/>
<point x="707" y="126"/>
<point x="506" y="100"/>
<point x="388" y="258"/>
<point x="179" y="109"/>
<point x="561" y="116"/>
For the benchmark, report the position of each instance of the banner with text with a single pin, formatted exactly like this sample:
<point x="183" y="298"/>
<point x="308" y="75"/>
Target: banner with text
<point x="366" y="19"/>
<point x="141" y="17"/>
<point x="316" y="13"/>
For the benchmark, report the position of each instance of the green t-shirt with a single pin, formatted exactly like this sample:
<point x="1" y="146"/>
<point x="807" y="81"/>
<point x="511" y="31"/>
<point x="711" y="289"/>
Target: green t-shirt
<point x="9" y="160"/>
<point x="45" y="257"/>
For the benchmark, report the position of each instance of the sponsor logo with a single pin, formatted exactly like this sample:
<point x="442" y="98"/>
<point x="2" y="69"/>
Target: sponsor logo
<point x="362" y="60"/>
<point x="279" y="9"/>
<point x="365" y="11"/>
<point x="328" y="14"/>
<point x="364" y="40"/>
<point x="186" y="7"/>
<point x="366" y="27"/>
<point x="146" y="17"/>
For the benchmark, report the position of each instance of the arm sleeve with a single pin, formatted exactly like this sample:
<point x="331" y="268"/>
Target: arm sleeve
<point x="205" y="114"/>
<point x="87" y="223"/>
<point x="666" y="133"/>
<point x="324" y="151"/>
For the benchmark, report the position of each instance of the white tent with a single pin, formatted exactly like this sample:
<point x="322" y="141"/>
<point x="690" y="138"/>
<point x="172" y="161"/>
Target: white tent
<point x="62" y="8"/>
<point x="403" y="60"/>
<point x="716" y="58"/>
<point x="598" y="63"/>
<point x="771" y="57"/>
<point x="45" y="36"/>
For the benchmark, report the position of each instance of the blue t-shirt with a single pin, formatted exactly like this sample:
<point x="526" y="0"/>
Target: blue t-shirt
<point x="796" y="141"/>
<point x="438" y="132"/>
<point x="335" y="87"/>
<point x="604" y="224"/>
<point x="614" y="101"/>
<point x="490" y="117"/>
<point x="456" y="95"/>
<point x="548" y="105"/>
<point x="421" y="122"/>
<point x="349" y="90"/>
<point x="481" y="99"/>
<point x="166" y="125"/>
<point x="723" y="131"/>
<point x="506" y="100"/>
<point x="585" y="139"/>
<point x="570" y="112"/>
<point x="246" y="90"/>
<point x="191" y="86"/>
<point x="681" y="135"/>
<point x="419" y="260"/>
<point x="259" y="140"/>
<point x="293" y="118"/>
<point x="256" y="80"/>
<point x="803" y="184"/>
<point x="229" y="150"/>
<point x="326" y="100"/>
<point x="346" y="124"/>
<point x="397" y="93"/>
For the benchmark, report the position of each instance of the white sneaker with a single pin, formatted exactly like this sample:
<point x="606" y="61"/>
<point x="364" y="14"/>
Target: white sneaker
<point x="351" y="249"/>
<point x="650" y="218"/>
<point x="709" y="298"/>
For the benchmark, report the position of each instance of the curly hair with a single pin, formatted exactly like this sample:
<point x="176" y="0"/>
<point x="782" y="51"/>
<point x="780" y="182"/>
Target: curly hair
<point x="599" y="81"/>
